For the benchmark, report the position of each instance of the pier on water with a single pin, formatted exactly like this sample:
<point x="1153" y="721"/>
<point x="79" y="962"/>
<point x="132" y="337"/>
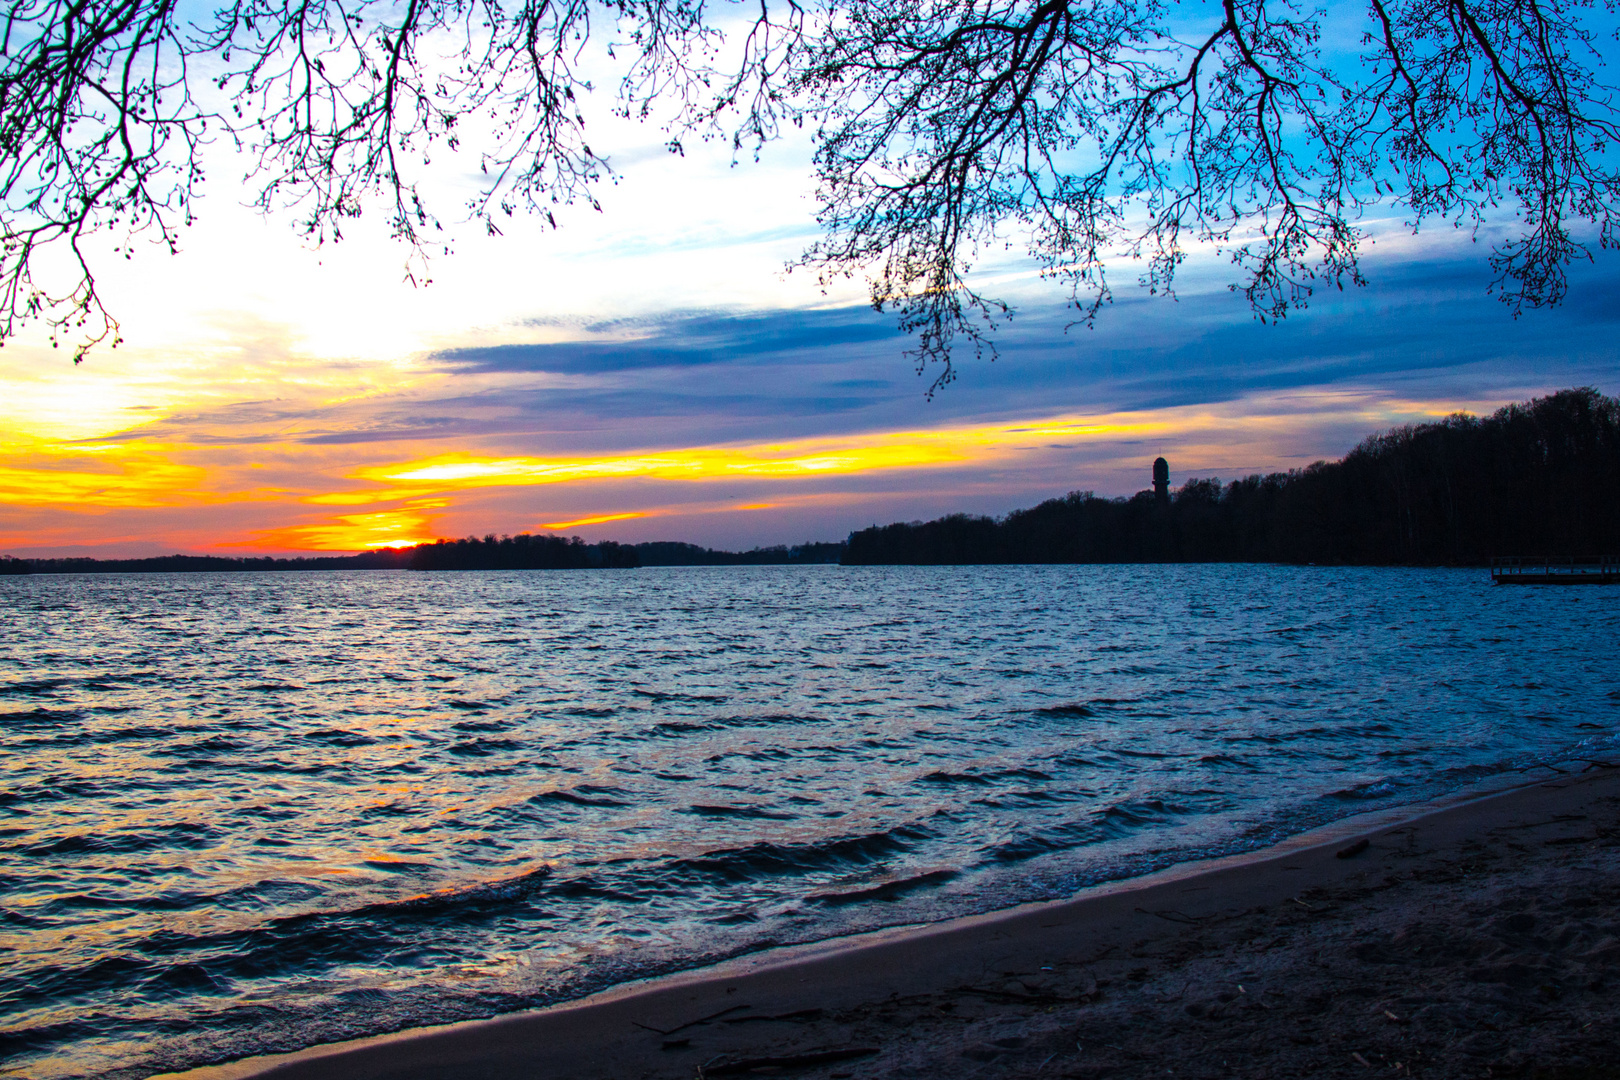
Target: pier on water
<point x="1555" y="570"/>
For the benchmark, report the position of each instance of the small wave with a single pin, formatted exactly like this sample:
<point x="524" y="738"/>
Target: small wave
<point x="678" y="728"/>
<point x="9" y="917"/>
<point x="889" y="891"/>
<point x="305" y="943"/>
<point x="337" y="737"/>
<point x="762" y="754"/>
<point x="1060" y="838"/>
<point x="661" y="696"/>
<point x="398" y="866"/>
<point x="736" y="918"/>
<point x="482" y="894"/>
<point x="131" y="734"/>
<point x="1108" y="823"/>
<point x="1373" y="789"/>
<point x="941" y="776"/>
<point x="1071" y="711"/>
<point x="37" y="718"/>
<point x="31" y="688"/>
<point x="588" y="799"/>
<point x="767" y="719"/>
<point x="183" y="980"/>
<point x="737" y="812"/>
<point x="765" y="859"/>
<point x="209" y="745"/>
<point x="1142" y="812"/>
<point x="588" y="888"/>
<point x="1025" y="798"/>
<point x="185" y="835"/>
<point x="484" y="747"/>
<point x="56" y="984"/>
<point x="1227" y="759"/>
<point x="265" y="895"/>
<point x="482" y="726"/>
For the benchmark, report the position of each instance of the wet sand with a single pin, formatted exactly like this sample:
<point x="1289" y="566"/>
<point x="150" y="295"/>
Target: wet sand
<point x="1467" y="938"/>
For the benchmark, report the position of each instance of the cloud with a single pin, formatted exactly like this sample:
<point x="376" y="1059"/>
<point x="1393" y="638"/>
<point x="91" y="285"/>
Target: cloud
<point x="1428" y="327"/>
<point x="685" y="340"/>
<point x="1423" y="331"/>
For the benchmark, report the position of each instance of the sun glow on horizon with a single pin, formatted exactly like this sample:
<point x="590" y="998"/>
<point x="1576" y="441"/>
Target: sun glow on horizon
<point x="401" y="528"/>
<point x="302" y="494"/>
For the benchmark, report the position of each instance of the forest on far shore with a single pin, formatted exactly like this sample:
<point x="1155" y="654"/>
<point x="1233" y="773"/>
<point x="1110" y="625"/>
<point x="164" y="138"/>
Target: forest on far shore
<point x="521" y="552"/>
<point x="1538" y="478"/>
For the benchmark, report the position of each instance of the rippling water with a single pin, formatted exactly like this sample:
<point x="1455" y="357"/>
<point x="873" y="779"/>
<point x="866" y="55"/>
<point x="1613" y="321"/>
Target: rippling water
<point x="247" y="813"/>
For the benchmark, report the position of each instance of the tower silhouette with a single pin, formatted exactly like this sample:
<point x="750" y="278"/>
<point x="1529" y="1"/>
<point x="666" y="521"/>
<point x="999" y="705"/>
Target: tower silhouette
<point x="1161" y="481"/>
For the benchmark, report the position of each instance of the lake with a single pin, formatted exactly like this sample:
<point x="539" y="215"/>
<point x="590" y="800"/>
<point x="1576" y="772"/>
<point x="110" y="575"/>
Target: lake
<point x="245" y="813"/>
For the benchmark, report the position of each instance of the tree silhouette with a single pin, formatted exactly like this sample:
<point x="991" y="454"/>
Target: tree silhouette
<point x="1089" y="129"/>
<point x="1531" y="479"/>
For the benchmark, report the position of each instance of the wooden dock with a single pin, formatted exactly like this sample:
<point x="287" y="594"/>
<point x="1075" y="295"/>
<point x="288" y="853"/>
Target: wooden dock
<point x="1555" y="570"/>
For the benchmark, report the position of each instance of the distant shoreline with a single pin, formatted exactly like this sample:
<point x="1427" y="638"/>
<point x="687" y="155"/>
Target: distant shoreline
<point x="523" y="552"/>
<point x="165" y="564"/>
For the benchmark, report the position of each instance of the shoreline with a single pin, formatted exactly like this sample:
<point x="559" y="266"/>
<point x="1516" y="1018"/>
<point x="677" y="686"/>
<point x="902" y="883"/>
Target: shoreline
<point x="923" y="996"/>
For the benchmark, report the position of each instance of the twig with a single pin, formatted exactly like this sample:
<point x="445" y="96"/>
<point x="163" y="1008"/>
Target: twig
<point x="1170" y="915"/>
<point x="692" y="1023"/>
<point x="802" y="1014"/>
<point x="1027" y="999"/>
<point x="1170" y="1000"/>
<point x="793" y="1061"/>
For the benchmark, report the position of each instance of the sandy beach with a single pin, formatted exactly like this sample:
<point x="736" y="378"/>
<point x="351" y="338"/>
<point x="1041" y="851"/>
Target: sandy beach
<point x="1474" y="937"/>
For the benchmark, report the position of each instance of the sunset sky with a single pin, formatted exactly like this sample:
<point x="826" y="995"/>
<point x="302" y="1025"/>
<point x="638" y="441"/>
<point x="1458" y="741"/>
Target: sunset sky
<point x="651" y="373"/>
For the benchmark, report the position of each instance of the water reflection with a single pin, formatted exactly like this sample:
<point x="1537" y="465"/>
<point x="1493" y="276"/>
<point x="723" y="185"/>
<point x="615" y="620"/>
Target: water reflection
<point x="250" y="813"/>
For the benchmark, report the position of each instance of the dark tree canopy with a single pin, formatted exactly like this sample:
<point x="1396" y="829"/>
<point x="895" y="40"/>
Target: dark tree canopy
<point x="1084" y="129"/>
<point x="1534" y="479"/>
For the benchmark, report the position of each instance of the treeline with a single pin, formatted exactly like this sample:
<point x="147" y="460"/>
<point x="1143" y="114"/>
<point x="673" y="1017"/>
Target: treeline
<point x="388" y="559"/>
<point x="522" y="552"/>
<point x="1540" y="478"/>
<point x="673" y="553"/>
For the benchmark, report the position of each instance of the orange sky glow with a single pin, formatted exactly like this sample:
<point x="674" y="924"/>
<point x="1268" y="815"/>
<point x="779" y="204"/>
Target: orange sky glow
<point x="290" y="497"/>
